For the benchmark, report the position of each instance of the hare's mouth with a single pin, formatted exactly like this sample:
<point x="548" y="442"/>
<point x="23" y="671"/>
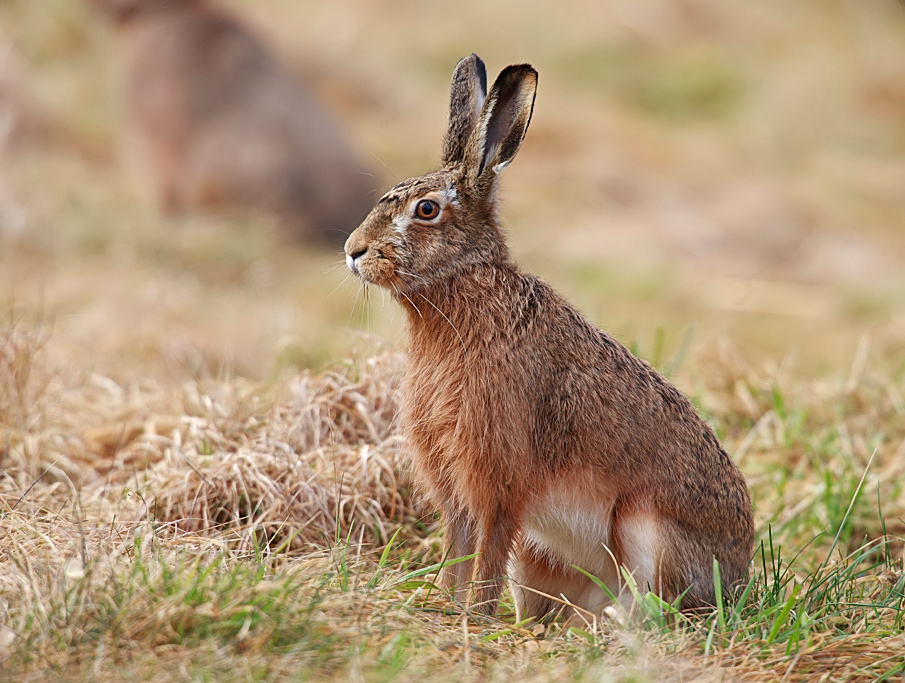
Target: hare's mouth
<point x="375" y="270"/>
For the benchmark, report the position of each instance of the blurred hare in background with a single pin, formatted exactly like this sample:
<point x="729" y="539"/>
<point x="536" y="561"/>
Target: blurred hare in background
<point x="220" y="122"/>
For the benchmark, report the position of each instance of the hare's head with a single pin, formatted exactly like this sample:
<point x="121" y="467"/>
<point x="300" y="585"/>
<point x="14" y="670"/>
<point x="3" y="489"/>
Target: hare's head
<point x="427" y="229"/>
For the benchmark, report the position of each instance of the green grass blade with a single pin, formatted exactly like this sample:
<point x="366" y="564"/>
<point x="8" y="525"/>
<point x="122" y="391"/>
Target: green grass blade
<point x="783" y="614"/>
<point x="718" y="592"/>
<point x="437" y="566"/>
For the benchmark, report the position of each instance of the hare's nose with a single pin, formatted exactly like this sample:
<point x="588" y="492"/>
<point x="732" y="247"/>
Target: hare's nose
<point x="352" y="259"/>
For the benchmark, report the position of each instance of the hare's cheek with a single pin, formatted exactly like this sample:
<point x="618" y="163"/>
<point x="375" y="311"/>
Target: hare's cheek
<point x="438" y="255"/>
<point x="385" y="272"/>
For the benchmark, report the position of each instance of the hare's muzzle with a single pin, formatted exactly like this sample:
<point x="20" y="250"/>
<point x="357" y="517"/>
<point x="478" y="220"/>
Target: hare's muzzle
<point x="356" y="247"/>
<point x="353" y="258"/>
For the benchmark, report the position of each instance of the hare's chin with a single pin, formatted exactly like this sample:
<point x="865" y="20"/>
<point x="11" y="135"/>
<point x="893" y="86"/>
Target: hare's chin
<point x="372" y="279"/>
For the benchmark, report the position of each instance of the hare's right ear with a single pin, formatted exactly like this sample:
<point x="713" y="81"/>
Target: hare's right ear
<point x="466" y="99"/>
<point x="502" y="125"/>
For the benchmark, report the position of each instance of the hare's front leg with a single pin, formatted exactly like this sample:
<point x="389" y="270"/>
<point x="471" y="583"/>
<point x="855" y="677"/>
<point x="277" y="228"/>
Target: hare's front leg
<point x="499" y="528"/>
<point x="458" y="541"/>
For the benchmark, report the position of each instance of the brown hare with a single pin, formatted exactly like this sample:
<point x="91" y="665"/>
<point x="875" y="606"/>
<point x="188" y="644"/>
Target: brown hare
<point x="544" y="442"/>
<point x="220" y="122"/>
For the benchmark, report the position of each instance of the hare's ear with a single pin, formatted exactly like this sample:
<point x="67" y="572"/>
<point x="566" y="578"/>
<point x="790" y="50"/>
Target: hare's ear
<point x="503" y="122"/>
<point x="466" y="99"/>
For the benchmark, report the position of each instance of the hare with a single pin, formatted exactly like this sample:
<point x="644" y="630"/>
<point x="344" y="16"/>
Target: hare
<point x="220" y="122"/>
<point x="543" y="441"/>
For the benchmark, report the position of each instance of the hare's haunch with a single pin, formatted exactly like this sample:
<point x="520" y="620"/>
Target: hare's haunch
<point x="543" y="440"/>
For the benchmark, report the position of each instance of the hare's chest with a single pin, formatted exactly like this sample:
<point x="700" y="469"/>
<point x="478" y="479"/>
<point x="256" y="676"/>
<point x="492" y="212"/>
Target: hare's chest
<point x="572" y="527"/>
<point x="431" y="415"/>
<point x="445" y="409"/>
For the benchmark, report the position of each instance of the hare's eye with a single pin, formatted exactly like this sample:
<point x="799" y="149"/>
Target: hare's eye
<point x="427" y="209"/>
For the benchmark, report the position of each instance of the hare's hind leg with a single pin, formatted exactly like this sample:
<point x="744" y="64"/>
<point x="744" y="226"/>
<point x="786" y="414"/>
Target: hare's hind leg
<point x="642" y="538"/>
<point x="532" y="578"/>
<point x="543" y="587"/>
<point x="686" y="566"/>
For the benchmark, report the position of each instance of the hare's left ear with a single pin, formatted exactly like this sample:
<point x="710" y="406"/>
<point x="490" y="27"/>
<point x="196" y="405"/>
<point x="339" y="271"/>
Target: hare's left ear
<point x="466" y="99"/>
<point x="503" y="123"/>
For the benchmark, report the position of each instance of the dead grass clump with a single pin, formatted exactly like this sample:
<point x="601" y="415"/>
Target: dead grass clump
<point x="357" y="405"/>
<point x="312" y="459"/>
<point x="325" y="464"/>
<point x="275" y="497"/>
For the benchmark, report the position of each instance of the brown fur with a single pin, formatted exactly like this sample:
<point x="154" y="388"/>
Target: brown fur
<point x="543" y="440"/>
<point x="222" y="123"/>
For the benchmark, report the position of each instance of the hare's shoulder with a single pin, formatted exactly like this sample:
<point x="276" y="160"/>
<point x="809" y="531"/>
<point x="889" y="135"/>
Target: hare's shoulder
<point x="579" y="360"/>
<point x="565" y="332"/>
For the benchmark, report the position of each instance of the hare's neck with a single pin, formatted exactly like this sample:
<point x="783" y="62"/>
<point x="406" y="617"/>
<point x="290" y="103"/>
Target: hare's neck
<point x="462" y="314"/>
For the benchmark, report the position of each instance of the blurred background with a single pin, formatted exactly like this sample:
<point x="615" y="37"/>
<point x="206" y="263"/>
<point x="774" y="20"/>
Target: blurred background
<point x="697" y="173"/>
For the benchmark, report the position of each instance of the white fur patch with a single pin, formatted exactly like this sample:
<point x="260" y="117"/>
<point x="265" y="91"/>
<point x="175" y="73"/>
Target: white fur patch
<point x="350" y="263"/>
<point x="451" y="196"/>
<point x="399" y="225"/>
<point x="572" y="531"/>
<point x="640" y="536"/>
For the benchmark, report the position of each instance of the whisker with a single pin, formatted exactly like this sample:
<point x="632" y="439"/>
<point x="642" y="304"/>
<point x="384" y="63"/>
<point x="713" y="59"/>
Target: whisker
<point x="403" y="272"/>
<point x="396" y="289"/>
<point x="341" y="283"/>
<point x="379" y="160"/>
<point x="366" y="304"/>
<point x="411" y="302"/>
<point x="334" y="267"/>
<point x="462" y="341"/>
<point x="354" y="305"/>
<point x="341" y="231"/>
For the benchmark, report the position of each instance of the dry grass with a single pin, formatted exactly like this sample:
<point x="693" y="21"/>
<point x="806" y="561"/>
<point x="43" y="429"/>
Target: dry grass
<point x="257" y="518"/>
<point x="320" y="464"/>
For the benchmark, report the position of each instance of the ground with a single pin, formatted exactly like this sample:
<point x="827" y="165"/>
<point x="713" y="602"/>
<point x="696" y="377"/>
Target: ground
<point x="200" y="470"/>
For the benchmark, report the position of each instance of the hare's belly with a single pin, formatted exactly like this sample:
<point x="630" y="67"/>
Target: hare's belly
<point x="572" y="530"/>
